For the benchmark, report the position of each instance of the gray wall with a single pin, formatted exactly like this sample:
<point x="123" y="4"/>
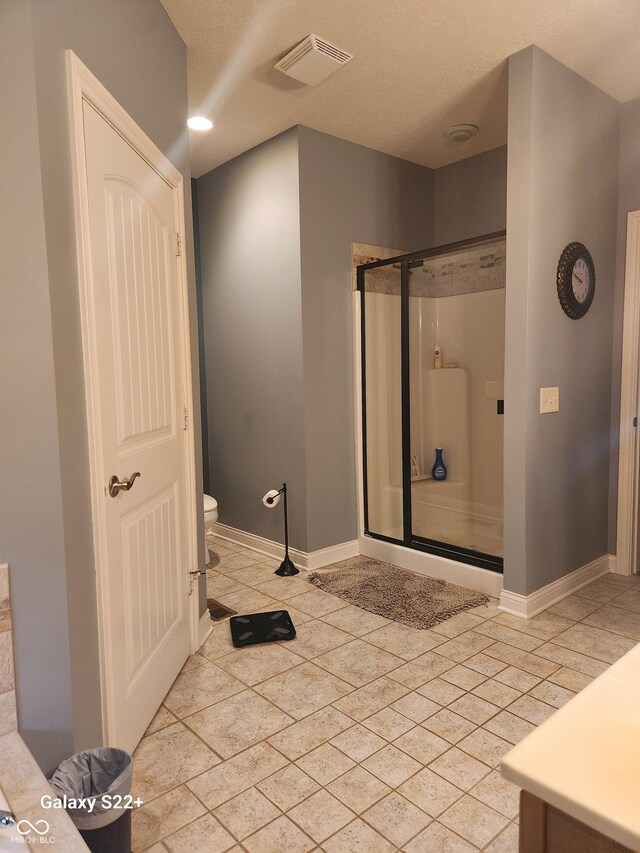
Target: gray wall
<point x="470" y="197"/>
<point x="206" y="474"/>
<point x="135" y="52"/>
<point x="347" y="193"/>
<point x="249" y="225"/>
<point x="276" y="226"/>
<point x="31" y="523"/>
<point x="628" y="200"/>
<point x="562" y="187"/>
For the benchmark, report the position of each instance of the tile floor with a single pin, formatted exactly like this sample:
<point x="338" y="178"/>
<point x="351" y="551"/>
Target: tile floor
<point x="361" y="734"/>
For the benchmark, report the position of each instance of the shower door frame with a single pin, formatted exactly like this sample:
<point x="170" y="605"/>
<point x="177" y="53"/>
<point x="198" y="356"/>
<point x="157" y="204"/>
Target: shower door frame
<point x="410" y="540"/>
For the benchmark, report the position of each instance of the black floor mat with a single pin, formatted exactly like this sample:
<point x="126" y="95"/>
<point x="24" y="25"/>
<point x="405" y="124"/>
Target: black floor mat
<point x="261" y="628"/>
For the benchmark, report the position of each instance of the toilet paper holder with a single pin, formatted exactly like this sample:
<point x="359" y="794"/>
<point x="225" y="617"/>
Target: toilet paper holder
<point x="270" y="500"/>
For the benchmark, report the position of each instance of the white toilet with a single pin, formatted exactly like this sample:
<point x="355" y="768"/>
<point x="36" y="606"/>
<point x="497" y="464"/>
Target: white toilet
<point x="210" y="516"/>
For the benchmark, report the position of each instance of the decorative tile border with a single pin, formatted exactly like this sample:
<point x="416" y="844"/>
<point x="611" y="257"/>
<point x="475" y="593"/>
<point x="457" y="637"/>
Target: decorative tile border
<point x="472" y="270"/>
<point x="8" y="721"/>
<point x="366" y="253"/>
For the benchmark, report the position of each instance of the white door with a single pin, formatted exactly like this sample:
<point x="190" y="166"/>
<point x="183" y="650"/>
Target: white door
<point x="140" y="400"/>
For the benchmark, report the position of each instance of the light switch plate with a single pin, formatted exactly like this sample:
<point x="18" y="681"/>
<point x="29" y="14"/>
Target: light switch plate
<point x="549" y="400"/>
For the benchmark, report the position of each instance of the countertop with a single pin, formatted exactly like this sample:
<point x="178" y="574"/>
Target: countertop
<point x="23" y="784"/>
<point x="585" y="759"/>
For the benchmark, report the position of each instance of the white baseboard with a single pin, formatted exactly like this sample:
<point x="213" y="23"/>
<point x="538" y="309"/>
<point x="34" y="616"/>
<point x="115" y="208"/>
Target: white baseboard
<point x="250" y="540"/>
<point x="302" y="559"/>
<point x="205" y="627"/>
<point x="526" y="606"/>
<point x="482" y="580"/>
<point x="332" y="554"/>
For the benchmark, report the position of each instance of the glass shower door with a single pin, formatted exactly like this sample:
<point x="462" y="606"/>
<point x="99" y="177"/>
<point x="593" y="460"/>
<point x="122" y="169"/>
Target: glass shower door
<point x="382" y="399"/>
<point x="456" y="363"/>
<point x="432" y="328"/>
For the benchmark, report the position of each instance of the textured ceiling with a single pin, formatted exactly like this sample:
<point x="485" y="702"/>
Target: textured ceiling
<point x="419" y="66"/>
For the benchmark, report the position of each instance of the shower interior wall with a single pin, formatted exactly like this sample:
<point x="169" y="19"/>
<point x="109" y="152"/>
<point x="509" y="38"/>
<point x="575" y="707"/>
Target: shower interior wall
<point x="469" y="329"/>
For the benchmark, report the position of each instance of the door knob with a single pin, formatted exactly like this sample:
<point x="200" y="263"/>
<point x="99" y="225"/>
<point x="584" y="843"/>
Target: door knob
<point x="116" y="486"/>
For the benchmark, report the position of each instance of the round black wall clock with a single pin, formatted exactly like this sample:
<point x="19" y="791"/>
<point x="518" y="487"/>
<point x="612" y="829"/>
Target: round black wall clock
<point x="576" y="280"/>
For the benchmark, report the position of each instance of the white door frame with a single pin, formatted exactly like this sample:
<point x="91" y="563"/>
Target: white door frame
<point x="629" y="458"/>
<point x="83" y="86"/>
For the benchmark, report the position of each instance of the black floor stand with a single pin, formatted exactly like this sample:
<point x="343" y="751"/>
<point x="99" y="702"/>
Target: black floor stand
<point x="286" y="569"/>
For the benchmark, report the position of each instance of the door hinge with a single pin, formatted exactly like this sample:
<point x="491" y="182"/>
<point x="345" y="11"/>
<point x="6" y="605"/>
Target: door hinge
<point x="178" y="244"/>
<point x="193" y="579"/>
<point x="185" y="416"/>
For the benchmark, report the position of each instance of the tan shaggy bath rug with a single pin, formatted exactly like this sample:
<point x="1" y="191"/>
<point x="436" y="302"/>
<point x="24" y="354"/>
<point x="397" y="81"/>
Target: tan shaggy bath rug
<point x="398" y="594"/>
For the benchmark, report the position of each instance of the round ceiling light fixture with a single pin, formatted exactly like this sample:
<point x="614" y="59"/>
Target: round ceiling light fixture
<point x="199" y="123"/>
<point x="461" y="132"/>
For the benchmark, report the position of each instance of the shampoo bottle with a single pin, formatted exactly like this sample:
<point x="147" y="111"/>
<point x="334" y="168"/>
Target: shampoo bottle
<point x="439" y="470"/>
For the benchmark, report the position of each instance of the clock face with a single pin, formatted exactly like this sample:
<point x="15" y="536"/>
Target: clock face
<point x="576" y="280"/>
<point x="580" y="280"/>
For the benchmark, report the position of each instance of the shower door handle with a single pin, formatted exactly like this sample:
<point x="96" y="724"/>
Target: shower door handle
<point x="116" y="486"/>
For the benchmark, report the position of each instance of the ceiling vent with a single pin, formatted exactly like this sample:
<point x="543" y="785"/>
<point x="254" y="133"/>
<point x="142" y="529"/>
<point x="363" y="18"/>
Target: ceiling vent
<point x="312" y="61"/>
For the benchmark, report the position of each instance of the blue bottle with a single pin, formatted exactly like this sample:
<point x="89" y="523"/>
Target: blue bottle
<point x="439" y="470"/>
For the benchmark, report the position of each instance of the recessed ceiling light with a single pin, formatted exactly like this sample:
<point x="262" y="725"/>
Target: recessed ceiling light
<point x="199" y="123"/>
<point x="461" y="132"/>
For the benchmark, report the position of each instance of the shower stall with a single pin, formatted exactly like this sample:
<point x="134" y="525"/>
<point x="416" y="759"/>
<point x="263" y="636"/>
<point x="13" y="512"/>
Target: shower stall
<point x="432" y="371"/>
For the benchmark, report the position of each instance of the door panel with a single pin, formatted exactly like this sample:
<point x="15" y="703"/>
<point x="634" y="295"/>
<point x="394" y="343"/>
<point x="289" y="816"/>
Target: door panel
<point x="151" y="559"/>
<point x="140" y="291"/>
<point x="144" y="580"/>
